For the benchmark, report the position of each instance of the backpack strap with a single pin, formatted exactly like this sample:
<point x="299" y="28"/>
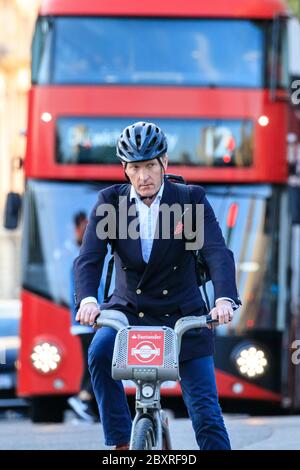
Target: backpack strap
<point x="110" y="269"/>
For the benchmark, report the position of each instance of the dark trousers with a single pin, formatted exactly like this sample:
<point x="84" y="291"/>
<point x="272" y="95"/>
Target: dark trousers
<point x="198" y="388"/>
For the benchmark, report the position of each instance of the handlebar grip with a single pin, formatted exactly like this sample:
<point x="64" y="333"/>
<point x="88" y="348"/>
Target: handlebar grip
<point x="210" y="321"/>
<point x="112" y="318"/>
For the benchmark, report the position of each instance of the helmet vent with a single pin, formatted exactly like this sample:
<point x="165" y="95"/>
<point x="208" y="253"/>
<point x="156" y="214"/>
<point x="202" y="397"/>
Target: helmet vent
<point x="152" y="142"/>
<point x="141" y="141"/>
<point x="138" y="140"/>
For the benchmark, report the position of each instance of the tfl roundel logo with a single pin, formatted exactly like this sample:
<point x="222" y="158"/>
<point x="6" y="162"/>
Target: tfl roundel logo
<point x="146" y="348"/>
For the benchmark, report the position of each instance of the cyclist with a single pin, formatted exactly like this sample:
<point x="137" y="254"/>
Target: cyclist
<point x="155" y="284"/>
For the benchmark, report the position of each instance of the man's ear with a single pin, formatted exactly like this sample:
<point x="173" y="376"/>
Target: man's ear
<point x="124" y="165"/>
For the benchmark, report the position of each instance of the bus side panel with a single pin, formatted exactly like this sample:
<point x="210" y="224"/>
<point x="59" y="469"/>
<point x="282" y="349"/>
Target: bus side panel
<point x="44" y="322"/>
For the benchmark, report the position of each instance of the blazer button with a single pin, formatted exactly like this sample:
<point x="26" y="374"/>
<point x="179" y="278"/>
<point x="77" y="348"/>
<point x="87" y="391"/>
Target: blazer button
<point x="138" y="291"/>
<point x="141" y="314"/>
<point x="165" y="291"/>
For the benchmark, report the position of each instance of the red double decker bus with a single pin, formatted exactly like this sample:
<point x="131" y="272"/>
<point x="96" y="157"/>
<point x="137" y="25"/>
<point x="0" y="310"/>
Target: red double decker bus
<point x="214" y="76"/>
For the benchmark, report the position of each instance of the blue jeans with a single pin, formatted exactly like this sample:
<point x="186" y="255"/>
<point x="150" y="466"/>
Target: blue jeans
<point x="198" y="389"/>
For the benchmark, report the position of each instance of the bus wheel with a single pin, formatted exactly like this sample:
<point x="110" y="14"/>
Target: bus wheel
<point x="47" y="409"/>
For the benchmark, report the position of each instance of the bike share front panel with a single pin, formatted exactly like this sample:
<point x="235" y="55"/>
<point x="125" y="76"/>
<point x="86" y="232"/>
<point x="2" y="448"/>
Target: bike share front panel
<point x="145" y="354"/>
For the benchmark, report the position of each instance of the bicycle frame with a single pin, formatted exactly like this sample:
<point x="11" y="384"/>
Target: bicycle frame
<point x="148" y="356"/>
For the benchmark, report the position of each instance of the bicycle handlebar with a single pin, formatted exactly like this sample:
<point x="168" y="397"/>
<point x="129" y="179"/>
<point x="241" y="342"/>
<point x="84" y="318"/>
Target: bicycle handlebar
<point x="118" y="320"/>
<point x="112" y="318"/>
<point x="185" y="324"/>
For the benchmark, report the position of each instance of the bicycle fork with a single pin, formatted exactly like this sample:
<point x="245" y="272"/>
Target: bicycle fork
<point x="149" y="407"/>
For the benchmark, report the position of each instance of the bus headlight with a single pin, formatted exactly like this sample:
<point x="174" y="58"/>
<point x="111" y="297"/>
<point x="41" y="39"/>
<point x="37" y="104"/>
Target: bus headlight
<point x="45" y="357"/>
<point x="251" y="361"/>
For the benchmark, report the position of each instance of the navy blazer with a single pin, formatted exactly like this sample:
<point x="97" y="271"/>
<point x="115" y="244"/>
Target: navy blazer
<point x="164" y="289"/>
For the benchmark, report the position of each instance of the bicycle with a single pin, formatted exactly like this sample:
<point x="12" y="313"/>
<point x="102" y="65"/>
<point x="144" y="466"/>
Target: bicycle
<point x="148" y="356"/>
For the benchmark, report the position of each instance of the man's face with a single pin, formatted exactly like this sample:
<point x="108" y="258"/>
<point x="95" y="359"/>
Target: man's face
<point x="146" y="177"/>
<point x="79" y="230"/>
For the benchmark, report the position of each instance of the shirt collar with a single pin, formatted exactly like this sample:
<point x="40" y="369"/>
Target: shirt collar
<point x="134" y="194"/>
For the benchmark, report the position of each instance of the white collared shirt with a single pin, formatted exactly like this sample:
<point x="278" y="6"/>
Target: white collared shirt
<point x="147" y="219"/>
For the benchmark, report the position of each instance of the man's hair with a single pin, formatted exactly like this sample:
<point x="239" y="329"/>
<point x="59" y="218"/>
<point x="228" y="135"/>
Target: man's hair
<point x="79" y="217"/>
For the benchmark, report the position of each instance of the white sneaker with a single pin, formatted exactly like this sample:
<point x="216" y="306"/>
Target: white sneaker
<point x="82" y="409"/>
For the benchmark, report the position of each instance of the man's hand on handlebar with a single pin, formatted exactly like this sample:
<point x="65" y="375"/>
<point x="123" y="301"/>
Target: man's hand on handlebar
<point x="88" y="313"/>
<point x="222" y="313"/>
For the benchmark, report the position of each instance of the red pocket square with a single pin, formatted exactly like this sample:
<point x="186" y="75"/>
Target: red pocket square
<point x="178" y="229"/>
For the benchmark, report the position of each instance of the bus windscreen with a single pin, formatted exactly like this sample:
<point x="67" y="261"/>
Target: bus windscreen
<point x="154" y="51"/>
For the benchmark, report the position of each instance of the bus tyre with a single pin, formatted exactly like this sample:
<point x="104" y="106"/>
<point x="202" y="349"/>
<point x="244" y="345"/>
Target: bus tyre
<point x="143" y="438"/>
<point x="47" y="410"/>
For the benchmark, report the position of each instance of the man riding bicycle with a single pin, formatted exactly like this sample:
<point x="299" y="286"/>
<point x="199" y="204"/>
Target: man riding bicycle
<point x="156" y="284"/>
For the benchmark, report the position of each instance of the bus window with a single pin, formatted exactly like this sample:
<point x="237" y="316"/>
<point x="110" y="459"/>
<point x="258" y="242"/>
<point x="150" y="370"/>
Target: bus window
<point x="49" y="238"/>
<point x="205" y="142"/>
<point x="278" y="52"/>
<point x="158" y="51"/>
<point x="41" y="51"/>
<point x="254" y="241"/>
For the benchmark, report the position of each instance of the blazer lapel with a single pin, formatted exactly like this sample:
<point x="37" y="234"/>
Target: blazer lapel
<point x="127" y="209"/>
<point x="161" y="244"/>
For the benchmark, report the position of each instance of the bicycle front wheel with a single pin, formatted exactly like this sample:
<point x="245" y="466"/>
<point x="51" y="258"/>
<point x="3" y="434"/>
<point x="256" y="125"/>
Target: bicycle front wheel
<point x="143" y="435"/>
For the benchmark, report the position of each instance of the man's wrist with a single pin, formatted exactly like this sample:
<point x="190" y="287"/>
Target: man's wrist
<point x="233" y="304"/>
<point x="87" y="300"/>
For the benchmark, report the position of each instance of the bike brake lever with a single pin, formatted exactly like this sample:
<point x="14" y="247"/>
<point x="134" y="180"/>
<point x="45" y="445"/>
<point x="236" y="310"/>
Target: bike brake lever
<point x="95" y="325"/>
<point x="210" y="321"/>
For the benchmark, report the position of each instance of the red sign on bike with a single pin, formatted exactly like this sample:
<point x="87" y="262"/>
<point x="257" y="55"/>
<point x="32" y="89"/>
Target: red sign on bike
<point x="146" y="348"/>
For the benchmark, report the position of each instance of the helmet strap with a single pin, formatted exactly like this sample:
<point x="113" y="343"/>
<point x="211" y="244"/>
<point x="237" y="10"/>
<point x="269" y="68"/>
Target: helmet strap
<point x="126" y="176"/>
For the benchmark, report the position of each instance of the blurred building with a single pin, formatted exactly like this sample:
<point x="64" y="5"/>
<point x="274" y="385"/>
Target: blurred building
<point x="295" y="6"/>
<point x="16" y="25"/>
